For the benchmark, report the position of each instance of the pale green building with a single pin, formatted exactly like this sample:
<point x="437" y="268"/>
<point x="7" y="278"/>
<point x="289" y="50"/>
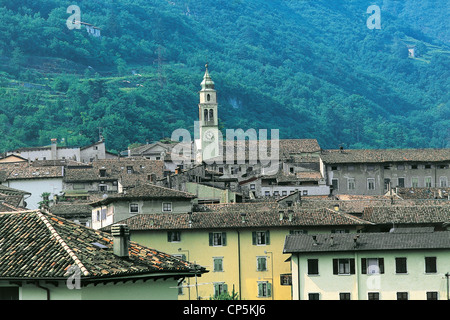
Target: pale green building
<point x="403" y="264"/>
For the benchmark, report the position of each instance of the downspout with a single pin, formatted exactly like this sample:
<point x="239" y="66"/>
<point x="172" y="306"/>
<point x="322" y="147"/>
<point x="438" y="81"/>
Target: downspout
<point x="239" y="262"/>
<point x="46" y="289"/>
<point x="357" y="274"/>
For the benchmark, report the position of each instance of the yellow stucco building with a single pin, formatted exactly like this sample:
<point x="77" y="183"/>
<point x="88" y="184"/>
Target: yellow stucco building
<point x="241" y="245"/>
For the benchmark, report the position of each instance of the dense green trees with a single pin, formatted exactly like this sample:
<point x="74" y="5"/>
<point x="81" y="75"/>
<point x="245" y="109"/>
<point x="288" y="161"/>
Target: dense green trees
<point x="309" y="68"/>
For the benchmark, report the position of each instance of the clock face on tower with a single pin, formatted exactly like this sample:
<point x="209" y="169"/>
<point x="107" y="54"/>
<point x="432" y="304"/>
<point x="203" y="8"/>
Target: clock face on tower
<point x="209" y="135"/>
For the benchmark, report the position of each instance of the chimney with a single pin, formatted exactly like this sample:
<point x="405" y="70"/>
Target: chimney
<point x="281" y="215"/>
<point x="331" y="241"/>
<point x="355" y="240"/>
<point x="53" y="154"/>
<point x="315" y="240"/>
<point x="243" y="214"/>
<point x="121" y="239"/>
<point x="291" y="213"/>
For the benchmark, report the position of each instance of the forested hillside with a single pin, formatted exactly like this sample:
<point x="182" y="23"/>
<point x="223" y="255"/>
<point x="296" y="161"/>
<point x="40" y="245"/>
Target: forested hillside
<point x="311" y="68"/>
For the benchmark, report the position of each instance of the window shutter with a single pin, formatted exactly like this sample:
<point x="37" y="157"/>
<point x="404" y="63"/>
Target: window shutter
<point x="352" y="266"/>
<point x="210" y="239"/>
<point x="381" y="265"/>
<point x="224" y="238"/>
<point x="363" y="265"/>
<point x="267" y="237"/>
<point x="254" y="237"/>
<point x="260" y="291"/>
<point x="269" y="289"/>
<point x="225" y="287"/>
<point x="169" y="236"/>
<point x="335" y="266"/>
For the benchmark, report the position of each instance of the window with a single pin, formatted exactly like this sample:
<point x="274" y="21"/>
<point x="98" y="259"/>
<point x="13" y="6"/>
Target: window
<point x="432" y="295"/>
<point x="372" y="265"/>
<point x="430" y="265"/>
<point x="305" y="192"/>
<point x="252" y="186"/>
<point x="351" y="184"/>
<point x="260" y="237"/>
<point x="205" y="113"/>
<point x="174" y="236"/>
<point x="313" y="266"/>
<point x="344" y="296"/>
<point x="340" y="231"/>
<point x="313" y="296"/>
<point x="343" y="266"/>
<point x="208" y="97"/>
<point x="284" y="193"/>
<point x="167" y="207"/>
<point x="400" y="265"/>
<point x="218" y="264"/>
<point x="427" y="182"/>
<point x="286" y="279"/>
<point x="261" y="263"/>
<point x="267" y="193"/>
<point x="298" y="231"/>
<point x="217" y="239"/>
<point x="102" y="172"/>
<point x="387" y="183"/>
<point x="387" y="167"/>
<point x="335" y="184"/>
<point x="220" y="288"/>
<point x="414" y="166"/>
<point x="134" y="208"/>
<point x="443" y="182"/>
<point x="334" y="168"/>
<point x="221" y="171"/>
<point x="350" y="168"/>
<point x="427" y="166"/>
<point x="129" y="169"/>
<point x="102" y="187"/>
<point x="400" y="167"/>
<point x="415" y="182"/>
<point x="264" y="289"/>
<point x="276" y="193"/>
<point x="373" y="296"/>
<point x="370" y="167"/>
<point x="402" y="295"/>
<point x="371" y="184"/>
<point x="401" y="182"/>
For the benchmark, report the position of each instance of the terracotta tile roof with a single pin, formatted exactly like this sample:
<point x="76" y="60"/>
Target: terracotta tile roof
<point x="147" y="191"/>
<point x="385" y="155"/>
<point x="367" y="242"/>
<point x="65" y="209"/>
<point x="40" y="245"/>
<point x="407" y="214"/>
<point x="423" y="193"/>
<point x="226" y="217"/>
<point x="117" y="170"/>
<point x="31" y="172"/>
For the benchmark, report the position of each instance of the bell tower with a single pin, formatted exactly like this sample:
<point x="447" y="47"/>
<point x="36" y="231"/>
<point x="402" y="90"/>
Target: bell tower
<point x="209" y="127"/>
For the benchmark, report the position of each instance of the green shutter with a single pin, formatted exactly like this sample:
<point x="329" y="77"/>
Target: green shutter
<point x="363" y="265"/>
<point x="210" y="239"/>
<point x="254" y="237"/>
<point x="169" y="236"/>
<point x="381" y="265"/>
<point x="352" y="266"/>
<point x="335" y="266"/>
<point x="269" y="289"/>
<point x="267" y="237"/>
<point x="224" y="238"/>
<point x="260" y="290"/>
<point x="225" y="287"/>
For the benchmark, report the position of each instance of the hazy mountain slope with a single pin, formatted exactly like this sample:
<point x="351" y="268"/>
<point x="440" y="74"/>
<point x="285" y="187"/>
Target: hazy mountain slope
<point x="309" y="68"/>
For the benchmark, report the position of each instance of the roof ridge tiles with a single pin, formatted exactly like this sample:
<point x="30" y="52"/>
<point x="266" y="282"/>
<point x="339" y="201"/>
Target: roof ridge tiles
<point x="63" y="244"/>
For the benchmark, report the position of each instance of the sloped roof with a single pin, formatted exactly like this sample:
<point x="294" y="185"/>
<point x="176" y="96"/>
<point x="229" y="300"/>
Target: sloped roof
<point x="385" y="155"/>
<point x="224" y="218"/>
<point x="37" y="245"/>
<point x="407" y="214"/>
<point x="146" y="191"/>
<point x="301" y="243"/>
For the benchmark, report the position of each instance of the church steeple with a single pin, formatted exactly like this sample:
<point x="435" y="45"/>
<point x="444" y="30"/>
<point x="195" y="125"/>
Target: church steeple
<point x="207" y="82"/>
<point x="209" y="126"/>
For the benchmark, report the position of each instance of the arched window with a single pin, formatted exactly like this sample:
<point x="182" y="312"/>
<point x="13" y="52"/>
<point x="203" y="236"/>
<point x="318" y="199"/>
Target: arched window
<point x="208" y="97"/>
<point x="205" y="117"/>
<point x="211" y="115"/>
